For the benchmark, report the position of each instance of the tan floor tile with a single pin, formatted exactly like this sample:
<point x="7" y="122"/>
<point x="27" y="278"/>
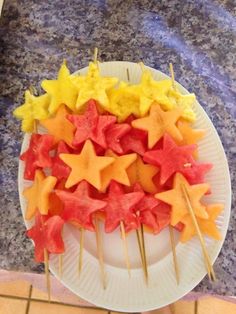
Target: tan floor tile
<point x="16" y="288"/>
<point x="41" y="295"/>
<point x="183" y="307"/>
<point x="10" y="306"/>
<point x="215" y="306"/>
<point x="47" y="308"/>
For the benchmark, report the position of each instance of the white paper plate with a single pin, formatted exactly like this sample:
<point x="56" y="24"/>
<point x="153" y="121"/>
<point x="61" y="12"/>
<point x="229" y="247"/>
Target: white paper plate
<point x="131" y="294"/>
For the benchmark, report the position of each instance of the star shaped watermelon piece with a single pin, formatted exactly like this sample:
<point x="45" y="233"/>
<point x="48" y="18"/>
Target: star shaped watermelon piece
<point x="47" y="234"/>
<point x="171" y="159"/>
<point x="59" y="169"/>
<point x="114" y="135"/>
<point x="91" y="125"/>
<point x="79" y="206"/>
<point x="37" y="155"/>
<point x="134" y="141"/>
<point x="121" y="207"/>
<point x="153" y="213"/>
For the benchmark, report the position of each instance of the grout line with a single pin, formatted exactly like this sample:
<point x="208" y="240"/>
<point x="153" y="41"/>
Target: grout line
<point x="28" y="302"/>
<point x="51" y="302"/>
<point x="196" y="306"/>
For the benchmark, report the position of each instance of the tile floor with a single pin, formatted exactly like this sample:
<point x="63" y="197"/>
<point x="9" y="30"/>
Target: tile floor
<point x="20" y="297"/>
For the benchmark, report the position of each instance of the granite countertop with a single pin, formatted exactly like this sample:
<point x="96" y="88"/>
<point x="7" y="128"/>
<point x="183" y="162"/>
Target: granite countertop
<point x="199" y="37"/>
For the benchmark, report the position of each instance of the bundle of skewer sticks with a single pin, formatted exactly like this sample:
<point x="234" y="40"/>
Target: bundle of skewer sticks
<point x="139" y="232"/>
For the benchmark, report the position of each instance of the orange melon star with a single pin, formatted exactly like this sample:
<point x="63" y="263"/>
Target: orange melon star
<point x="158" y="123"/>
<point x="207" y="226"/>
<point x="142" y="173"/>
<point x="190" y="135"/>
<point x="38" y="195"/>
<point x="117" y="170"/>
<point x="176" y="199"/>
<point x="86" y="166"/>
<point x="60" y="127"/>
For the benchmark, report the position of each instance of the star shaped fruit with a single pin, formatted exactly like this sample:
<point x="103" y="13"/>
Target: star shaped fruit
<point x="124" y="101"/>
<point x="134" y="141"/>
<point x="79" y="206"/>
<point x="158" y="123"/>
<point x="37" y="195"/>
<point x="34" y="108"/>
<point x="153" y="91"/>
<point x="93" y="86"/>
<point x="37" y="155"/>
<point x="59" y="169"/>
<point x="60" y="127"/>
<point x="114" y="135"/>
<point x="117" y="170"/>
<point x="176" y="199"/>
<point x="86" y="166"/>
<point x="91" y="125"/>
<point x="173" y="158"/>
<point x="47" y="234"/>
<point x="61" y="91"/>
<point x="184" y="103"/>
<point x="120" y="207"/>
<point x="142" y="173"/>
<point x="153" y="213"/>
<point x="190" y="135"/>
<point x="207" y="226"/>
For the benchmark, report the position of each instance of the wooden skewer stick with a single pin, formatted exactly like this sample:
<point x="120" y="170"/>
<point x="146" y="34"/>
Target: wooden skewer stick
<point x="210" y="269"/>
<point x="144" y="253"/>
<point x="127" y="73"/>
<point x="172" y="74"/>
<point x="125" y="245"/>
<point x="139" y="238"/>
<point x="81" y="249"/>
<point x="60" y="265"/>
<point x="46" y="265"/>
<point x="172" y="242"/>
<point x="95" y="57"/>
<point x="100" y="252"/>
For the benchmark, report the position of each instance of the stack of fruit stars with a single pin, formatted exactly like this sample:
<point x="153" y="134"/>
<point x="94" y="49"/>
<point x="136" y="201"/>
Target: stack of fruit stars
<point x="112" y="150"/>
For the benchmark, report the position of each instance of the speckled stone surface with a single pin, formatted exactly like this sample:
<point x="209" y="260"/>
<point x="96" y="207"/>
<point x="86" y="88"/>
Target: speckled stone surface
<point x="199" y="37"/>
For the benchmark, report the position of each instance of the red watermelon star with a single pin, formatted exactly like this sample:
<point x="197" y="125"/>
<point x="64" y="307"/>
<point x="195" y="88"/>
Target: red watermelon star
<point x="195" y="172"/>
<point x="47" y="234"/>
<point x="171" y="158"/>
<point x="134" y="141"/>
<point x="37" y="155"/>
<point x="79" y="206"/>
<point x="120" y="207"/>
<point x="59" y="169"/>
<point x="114" y="134"/>
<point x="153" y="213"/>
<point x="91" y="125"/>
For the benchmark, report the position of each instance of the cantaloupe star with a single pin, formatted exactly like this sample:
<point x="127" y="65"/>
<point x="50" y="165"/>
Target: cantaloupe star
<point x="190" y="135"/>
<point x="207" y="226"/>
<point x="34" y="108"/>
<point x="176" y="199"/>
<point x="61" y="91"/>
<point x="117" y="170"/>
<point x="37" y="195"/>
<point x="142" y="173"/>
<point x="86" y="166"/>
<point x="157" y="123"/>
<point x="60" y="127"/>
<point x="93" y="86"/>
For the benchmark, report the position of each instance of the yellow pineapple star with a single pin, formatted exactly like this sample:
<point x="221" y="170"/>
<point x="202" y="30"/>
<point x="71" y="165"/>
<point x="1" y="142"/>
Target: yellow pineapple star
<point x="34" y="108"/>
<point x="124" y="101"/>
<point x="62" y="90"/>
<point x="185" y="103"/>
<point x="93" y="86"/>
<point x="153" y="91"/>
